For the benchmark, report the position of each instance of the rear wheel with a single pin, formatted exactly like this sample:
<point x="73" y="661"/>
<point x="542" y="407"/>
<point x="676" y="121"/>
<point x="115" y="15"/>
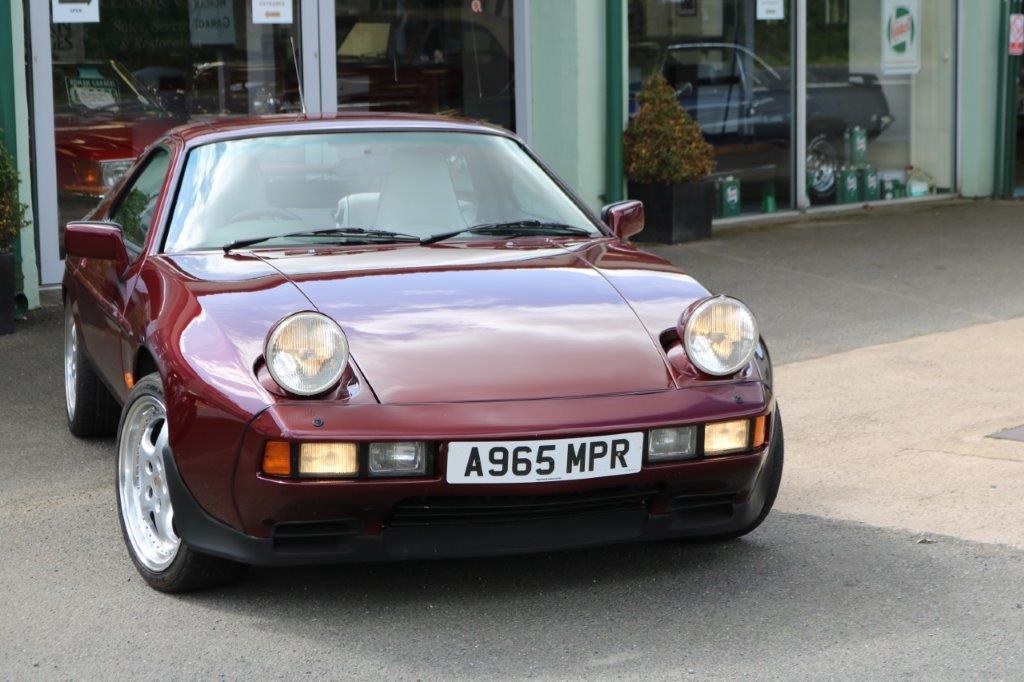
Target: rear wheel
<point x="91" y="409"/>
<point x="144" y="501"/>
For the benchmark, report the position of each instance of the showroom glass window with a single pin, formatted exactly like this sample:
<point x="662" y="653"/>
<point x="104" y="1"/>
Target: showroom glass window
<point x="881" y="83"/>
<point x="730" y="68"/>
<point x="427" y="56"/>
<point x="146" y="67"/>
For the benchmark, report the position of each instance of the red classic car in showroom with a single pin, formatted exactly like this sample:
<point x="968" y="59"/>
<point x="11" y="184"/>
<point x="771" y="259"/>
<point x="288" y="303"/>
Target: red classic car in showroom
<point x="374" y="337"/>
<point x="103" y="118"/>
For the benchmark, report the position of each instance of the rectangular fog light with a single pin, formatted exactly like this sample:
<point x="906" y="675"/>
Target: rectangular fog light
<point x="667" y="445"/>
<point x="724" y="438"/>
<point x="329" y="460"/>
<point x="398" y="459"/>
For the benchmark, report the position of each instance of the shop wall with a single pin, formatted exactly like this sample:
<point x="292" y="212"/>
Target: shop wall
<point x="15" y="110"/>
<point x="982" y="44"/>
<point x="567" y="69"/>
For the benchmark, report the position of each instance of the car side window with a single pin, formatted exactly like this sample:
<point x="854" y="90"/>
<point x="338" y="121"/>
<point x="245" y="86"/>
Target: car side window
<point x="135" y="209"/>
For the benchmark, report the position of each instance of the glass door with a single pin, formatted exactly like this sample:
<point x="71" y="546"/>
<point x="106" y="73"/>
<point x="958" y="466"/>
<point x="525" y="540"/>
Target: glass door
<point x="110" y="77"/>
<point x="120" y="73"/>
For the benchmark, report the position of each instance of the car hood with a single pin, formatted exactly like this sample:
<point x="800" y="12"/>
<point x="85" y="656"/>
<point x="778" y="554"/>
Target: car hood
<point x="497" y="321"/>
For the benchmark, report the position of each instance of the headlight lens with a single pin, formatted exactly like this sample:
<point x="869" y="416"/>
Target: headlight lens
<point x="398" y="459"/>
<point x="666" y="445"/>
<point x="113" y="171"/>
<point x="720" y="336"/>
<point x="306" y="353"/>
<point x="328" y="460"/>
<point x="724" y="438"/>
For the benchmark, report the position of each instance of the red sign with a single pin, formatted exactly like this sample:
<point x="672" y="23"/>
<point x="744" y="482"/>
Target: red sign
<point x="1016" y="34"/>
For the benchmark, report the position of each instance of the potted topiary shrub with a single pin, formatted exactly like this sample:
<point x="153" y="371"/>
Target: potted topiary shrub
<point x="12" y="219"/>
<point x="667" y="161"/>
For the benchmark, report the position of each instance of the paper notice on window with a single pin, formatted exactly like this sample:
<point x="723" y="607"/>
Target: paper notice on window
<point x="272" y="11"/>
<point x="92" y="93"/>
<point x="211" y="22"/>
<point x="771" y="10"/>
<point x="75" y="11"/>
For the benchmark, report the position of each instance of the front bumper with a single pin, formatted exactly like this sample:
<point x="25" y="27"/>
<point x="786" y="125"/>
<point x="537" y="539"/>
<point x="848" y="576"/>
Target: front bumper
<point x="644" y="513"/>
<point x="286" y="522"/>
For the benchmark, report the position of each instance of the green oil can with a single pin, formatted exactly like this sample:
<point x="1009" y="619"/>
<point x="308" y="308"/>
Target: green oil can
<point x="855" y="141"/>
<point x="870" y="188"/>
<point x="848" y="191"/>
<point x="729" y="197"/>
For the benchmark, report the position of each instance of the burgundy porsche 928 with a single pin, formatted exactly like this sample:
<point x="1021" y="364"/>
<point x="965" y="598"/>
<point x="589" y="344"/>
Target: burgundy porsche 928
<point x="363" y="338"/>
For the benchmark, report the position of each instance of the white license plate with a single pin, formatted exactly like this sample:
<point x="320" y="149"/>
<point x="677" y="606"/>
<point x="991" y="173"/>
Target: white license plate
<point x="563" y="459"/>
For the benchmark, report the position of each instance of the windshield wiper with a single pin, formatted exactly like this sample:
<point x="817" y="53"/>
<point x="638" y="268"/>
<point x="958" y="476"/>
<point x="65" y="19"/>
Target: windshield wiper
<point x="514" y="228"/>
<point x="347" y="233"/>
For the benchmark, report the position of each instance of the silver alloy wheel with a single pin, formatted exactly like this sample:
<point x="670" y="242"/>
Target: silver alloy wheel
<point x="145" y="499"/>
<point x="70" y="362"/>
<point x="822" y="164"/>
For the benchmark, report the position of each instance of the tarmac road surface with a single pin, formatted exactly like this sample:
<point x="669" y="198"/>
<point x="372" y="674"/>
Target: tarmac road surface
<point x="896" y="548"/>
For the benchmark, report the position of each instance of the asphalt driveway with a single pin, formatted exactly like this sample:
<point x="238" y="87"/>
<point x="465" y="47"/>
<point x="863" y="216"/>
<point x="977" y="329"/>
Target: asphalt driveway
<point x="816" y="592"/>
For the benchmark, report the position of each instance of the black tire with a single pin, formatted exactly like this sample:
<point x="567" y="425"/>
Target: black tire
<point x="824" y="160"/>
<point x="189" y="570"/>
<point x="773" y="472"/>
<point x="90" y="408"/>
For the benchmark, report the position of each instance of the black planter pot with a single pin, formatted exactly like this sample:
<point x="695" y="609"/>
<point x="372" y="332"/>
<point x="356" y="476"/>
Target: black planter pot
<point x="6" y="293"/>
<point x="675" y="213"/>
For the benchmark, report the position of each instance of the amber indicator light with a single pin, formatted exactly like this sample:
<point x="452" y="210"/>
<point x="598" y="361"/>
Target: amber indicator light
<point x="760" y="428"/>
<point x="277" y="458"/>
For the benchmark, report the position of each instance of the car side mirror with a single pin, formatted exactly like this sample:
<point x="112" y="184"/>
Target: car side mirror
<point x="98" y="240"/>
<point x="625" y="218"/>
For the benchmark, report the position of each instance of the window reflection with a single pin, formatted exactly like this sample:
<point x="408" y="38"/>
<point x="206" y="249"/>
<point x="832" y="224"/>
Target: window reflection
<point x="731" y="73"/>
<point x="427" y="56"/>
<point x="146" y="67"/>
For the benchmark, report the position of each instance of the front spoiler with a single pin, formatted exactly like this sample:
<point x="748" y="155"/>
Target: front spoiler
<point x="343" y="540"/>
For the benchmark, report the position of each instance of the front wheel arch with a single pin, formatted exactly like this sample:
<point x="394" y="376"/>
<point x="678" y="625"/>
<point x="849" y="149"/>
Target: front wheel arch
<point x="187" y="569"/>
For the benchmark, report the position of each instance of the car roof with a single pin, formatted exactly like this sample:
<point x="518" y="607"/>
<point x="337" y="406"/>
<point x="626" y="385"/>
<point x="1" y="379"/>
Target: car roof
<point x="204" y="132"/>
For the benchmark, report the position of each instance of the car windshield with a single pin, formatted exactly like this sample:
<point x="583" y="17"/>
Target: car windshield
<point x="413" y="183"/>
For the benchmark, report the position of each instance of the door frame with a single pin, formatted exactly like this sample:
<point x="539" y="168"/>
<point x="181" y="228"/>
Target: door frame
<point x="44" y="144"/>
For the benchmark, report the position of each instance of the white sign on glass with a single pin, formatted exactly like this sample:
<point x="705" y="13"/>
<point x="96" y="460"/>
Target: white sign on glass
<point x="1016" y="35"/>
<point x="75" y="11"/>
<point x="771" y="10"/>
<point x="901" y="37"/>
<point x="271" y="11"/>
<point x="211" y="22"/>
